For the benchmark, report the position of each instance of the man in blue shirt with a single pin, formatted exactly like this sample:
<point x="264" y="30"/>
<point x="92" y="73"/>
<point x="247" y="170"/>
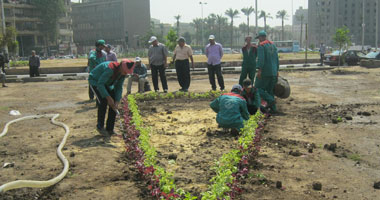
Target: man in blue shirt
<point x="139" y="75"/>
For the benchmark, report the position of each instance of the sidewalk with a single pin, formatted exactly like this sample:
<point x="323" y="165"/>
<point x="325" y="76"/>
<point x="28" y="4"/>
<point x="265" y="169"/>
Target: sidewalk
<point x="169" y="73"/>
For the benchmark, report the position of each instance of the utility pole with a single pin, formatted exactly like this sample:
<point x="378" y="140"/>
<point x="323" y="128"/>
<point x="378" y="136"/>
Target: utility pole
<point x="257" y="21"/>
<point x="377" y="24"/>
<point x="307" y="44"/>
<point x="363" y="25"/>
<point x="4" y="28"/>
<point x="202" y="3"/>
<point x="293" y="22"/>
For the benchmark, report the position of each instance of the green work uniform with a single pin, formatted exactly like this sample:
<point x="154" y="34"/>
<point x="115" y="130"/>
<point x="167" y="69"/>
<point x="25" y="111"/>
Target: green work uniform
<point x="101" y="78"/>
<point x="249" y="64"/>
<point x="95" y="59"/>
<point x="232" y="110"/>
<point x="253" y="100"/>
<point x="269" y="64"/>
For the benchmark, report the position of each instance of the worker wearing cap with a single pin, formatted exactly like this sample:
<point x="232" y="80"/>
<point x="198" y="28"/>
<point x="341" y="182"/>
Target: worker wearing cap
<point x="96" y="57"/>
<point x="157" y="55"/>
<point x="182" y="53"/>
<point x="249" y="61"/>
<point x="252" y="96"/>
<point x="106" y="80"/>
<point x="214" y="54"/>
<point x="111" y="56"/>
<point x="139" y="75"/>
<point x="231" y="108"/>
<point x="268" y="65"/>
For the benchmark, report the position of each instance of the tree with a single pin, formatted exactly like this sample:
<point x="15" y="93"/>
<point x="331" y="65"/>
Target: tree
<point x="301" y="18"/>
<point x="177" y="18"/>
<point x="9" y="39"/>
<point x="265" y="16"/>
<point x="342" y="38"/>
<point x="247" y="12"/>
<point x="221" y="21"/>
<point x="232" y="14"/>
<point x="171" y="40"/>
<point x="51" y="11"/>
<point x="197" y="23"/>
<point x="283" y="15"/>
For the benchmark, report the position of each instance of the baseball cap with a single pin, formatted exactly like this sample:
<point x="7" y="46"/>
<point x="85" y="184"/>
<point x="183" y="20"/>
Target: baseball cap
<point x="137" y="59"/>
<point x="261" y="33"/>
<point x="181" y="39"/>
<point x="100" y="43"/>
<point x="237" y="87"/>
<point x="211" y="37"/>
<point x="108" y="46"/>
<point x="152" y="39"/>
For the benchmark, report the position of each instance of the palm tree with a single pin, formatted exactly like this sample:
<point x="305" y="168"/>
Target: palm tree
<point x="283" y="15"/>
<point x="247" y="12"/>
<point x="177" y="18"/>
<point x="232" y="14"/>
<point x="197" y="23"/>
<point x="221" y="21"/>
<point x="301" y="18"/>
<point x="266" y="16"/>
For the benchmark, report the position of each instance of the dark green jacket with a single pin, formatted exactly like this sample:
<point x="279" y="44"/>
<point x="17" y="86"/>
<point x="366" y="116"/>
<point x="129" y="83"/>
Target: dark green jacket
<point x="268" y="59"/>
<point x="101" y="78"/>
<point x="232" y="110"/>
<point x="95" y="59"/>
<point x="249" y="57"/>
<point x="252" y="98"/>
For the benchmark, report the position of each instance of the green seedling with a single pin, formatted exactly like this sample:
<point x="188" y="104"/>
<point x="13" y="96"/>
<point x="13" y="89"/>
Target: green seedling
<point x="354" y="157"/>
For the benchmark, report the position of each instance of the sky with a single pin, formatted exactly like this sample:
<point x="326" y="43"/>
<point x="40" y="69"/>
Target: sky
<point x="165" y="10"/>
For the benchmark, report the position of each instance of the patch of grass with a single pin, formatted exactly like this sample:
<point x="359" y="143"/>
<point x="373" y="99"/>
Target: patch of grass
<point x="354" y="157"/>
<point x="3" y="108"/>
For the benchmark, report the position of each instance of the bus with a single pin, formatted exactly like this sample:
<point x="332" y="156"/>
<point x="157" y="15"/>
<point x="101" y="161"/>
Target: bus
<point x="287" y="46"/>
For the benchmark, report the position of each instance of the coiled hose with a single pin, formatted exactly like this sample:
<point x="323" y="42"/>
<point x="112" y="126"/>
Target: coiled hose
<point x="65" y="162"/>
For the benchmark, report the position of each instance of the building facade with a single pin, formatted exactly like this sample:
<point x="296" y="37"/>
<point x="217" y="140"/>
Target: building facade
<point x="325" y="16"/>
<point x="300" y="19"/>
<point x="120" y="23"/>
<point x="22" y="15"/>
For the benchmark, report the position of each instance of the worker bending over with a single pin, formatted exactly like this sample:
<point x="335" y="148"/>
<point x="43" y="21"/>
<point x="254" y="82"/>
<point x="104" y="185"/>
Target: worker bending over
<point x="252" y="96"/>
<point x="106" y="81"/>
<point x="231" y="108"/>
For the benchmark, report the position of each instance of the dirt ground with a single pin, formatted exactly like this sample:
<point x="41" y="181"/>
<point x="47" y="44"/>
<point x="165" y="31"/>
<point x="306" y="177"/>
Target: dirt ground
<point x="327" y="132"/>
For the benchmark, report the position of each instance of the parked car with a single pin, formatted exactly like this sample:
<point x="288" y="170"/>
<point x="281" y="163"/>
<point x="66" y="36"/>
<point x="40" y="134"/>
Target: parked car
<point x="374" y="55"/>
<point x="227" y="50"/>
<point x="333" y="58"/>
<point x="352" y="57"/>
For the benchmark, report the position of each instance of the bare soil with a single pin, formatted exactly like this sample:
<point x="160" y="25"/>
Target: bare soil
<point x="304" y="144"/>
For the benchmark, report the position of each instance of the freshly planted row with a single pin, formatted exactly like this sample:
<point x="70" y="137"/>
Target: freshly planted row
<point x="230" y="168"/>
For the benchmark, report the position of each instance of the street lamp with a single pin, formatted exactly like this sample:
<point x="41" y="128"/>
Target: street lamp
<point x="202" y="3"/>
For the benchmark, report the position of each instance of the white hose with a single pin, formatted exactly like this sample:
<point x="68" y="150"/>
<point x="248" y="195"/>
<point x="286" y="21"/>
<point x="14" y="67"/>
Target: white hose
<point x="40" y="184"/>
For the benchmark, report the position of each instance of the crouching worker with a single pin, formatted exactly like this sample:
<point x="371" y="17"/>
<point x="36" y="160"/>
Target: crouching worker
<point x="252" y="96"/>
<point x="106" y="81"/>
<point x="139" y="74"/>
<point x="231" y="108"/>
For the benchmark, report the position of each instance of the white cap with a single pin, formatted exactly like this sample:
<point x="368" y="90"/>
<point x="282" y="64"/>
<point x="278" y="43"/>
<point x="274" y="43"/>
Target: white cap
<point x="137" y="59"/>
<point x="211" y="37"/>
<point x="237" y="86"/>
<point x="152" y="39"/>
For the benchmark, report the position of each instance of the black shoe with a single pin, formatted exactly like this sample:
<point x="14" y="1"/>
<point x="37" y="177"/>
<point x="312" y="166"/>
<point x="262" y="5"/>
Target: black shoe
<point x="110" y="133"/>
<point x="156" y="91"/>
<point x="5" y="86"/>
<point x="165" y="91"/>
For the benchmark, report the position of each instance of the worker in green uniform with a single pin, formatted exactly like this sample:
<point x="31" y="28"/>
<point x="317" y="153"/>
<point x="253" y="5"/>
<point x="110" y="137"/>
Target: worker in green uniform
<point x="231" y="108"/>
<point x="268" y="65"/>
<point x="106" y="80"/>
<point x="252" y="96"/>
<point x="96" y="57"/>
<point x="249" y="61"/>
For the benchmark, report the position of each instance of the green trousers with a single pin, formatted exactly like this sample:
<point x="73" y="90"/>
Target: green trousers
<point x="247" y="70"/>
<point x="265" y="86"/>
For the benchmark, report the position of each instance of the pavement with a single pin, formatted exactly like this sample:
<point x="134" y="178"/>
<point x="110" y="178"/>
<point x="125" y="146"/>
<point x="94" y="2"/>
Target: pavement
<point x="169" y="72"/>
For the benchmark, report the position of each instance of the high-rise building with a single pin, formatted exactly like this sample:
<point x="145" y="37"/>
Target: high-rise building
<point x="325" y="16"/>
<point x="300" y="19"/>
<point x="25" y="17"/>
<point x="120" y="23"/>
